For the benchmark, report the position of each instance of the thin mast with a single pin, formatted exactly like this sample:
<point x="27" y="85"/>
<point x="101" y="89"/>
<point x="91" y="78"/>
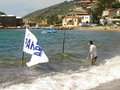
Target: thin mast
<point x="63" y="49"/>
<point x="22" y="61"/>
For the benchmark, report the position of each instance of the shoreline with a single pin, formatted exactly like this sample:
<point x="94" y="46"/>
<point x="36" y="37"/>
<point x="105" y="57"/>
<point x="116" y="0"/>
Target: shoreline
<point x="113" y="85"/>
<point x="96" y="28"/>
<point x="99" y="28"/>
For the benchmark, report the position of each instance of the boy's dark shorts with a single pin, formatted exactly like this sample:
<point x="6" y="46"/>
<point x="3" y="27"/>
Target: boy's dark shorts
<point x="96" y="57"/>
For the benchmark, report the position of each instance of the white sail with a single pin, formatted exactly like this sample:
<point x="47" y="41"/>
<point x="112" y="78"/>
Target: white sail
<point x="31" y="46"/>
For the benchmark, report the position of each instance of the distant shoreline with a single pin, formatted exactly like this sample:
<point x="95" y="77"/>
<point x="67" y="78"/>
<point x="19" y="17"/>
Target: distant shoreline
<point x="98" y="28"/>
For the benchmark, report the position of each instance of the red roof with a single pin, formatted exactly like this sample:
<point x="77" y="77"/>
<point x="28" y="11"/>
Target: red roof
<point x="79" y="13"/>
<point x="74" y="17"/>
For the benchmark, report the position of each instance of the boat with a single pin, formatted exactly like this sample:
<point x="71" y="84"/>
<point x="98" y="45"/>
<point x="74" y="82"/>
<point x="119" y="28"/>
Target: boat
<point x="48" y="30"/>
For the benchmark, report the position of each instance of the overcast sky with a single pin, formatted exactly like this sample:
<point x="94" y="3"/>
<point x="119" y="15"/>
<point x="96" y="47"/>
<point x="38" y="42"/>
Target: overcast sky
<point x="23" y="7"/>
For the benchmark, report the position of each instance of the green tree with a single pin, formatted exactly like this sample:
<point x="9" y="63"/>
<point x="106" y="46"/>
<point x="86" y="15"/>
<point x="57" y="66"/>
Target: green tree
<point x="52" y="20"/>
<point x="100" y="6"/>
<point x="2" y="13"/>
<point x="116" y="5"/>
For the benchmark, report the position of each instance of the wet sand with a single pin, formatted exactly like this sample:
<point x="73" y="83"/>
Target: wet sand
<point x="113" y="85"/>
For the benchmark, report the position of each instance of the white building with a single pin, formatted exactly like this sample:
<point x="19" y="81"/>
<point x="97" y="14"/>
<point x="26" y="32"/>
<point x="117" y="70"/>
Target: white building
<point x="118" y="12"/>
<point x="109" y="16"/>
<point x="85" y="18"/>
<point x="75" y="18"/>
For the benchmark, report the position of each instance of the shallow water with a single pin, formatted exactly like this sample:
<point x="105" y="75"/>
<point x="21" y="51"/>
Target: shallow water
<point x="60" y="71"/>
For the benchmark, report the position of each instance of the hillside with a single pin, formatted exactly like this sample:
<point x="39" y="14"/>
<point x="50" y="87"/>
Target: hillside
<point x="2" y="13"/>
<point x="59" y="9"/>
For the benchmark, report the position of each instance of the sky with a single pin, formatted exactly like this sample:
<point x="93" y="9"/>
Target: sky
<point x="21" y="8"/>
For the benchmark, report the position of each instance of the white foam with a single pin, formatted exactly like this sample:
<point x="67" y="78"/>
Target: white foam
<point x="86" y="79"/>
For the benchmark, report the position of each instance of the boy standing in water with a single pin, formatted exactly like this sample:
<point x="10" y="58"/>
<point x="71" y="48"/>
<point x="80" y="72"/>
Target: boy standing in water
<point x="92" y="53"/>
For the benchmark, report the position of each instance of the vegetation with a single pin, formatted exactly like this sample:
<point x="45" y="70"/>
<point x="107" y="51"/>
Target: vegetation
<point x="102" y="5"/>
<point x="116" y="5"/>
<point x="2" y="13"/>
<point x="53" y="20"/>
<point x="51" y="13"/>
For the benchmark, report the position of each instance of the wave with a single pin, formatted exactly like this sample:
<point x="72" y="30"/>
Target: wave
<point x="84" y="78"/>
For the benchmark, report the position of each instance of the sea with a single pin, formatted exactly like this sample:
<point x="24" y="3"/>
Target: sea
<point x="64" y="71"/>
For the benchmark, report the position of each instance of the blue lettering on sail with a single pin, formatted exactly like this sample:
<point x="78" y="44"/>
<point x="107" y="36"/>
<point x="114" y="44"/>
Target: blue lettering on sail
<point x="38" y="50"/>
<point x="32" y="46"/>
<point x="29" y="44"/>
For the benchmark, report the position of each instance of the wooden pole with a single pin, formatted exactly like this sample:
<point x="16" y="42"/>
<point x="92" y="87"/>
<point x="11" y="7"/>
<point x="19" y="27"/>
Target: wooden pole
<point x="22" y="61"/>
<point x="63" y="49"/>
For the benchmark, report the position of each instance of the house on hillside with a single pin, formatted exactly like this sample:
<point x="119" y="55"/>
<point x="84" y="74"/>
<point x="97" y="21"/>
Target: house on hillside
<point x="118" y="12"/>
<point x="110" y="16"/>
<point x="84" y="17"/>
<point x="77" y="18"/>
<point x="70" y="21"/>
